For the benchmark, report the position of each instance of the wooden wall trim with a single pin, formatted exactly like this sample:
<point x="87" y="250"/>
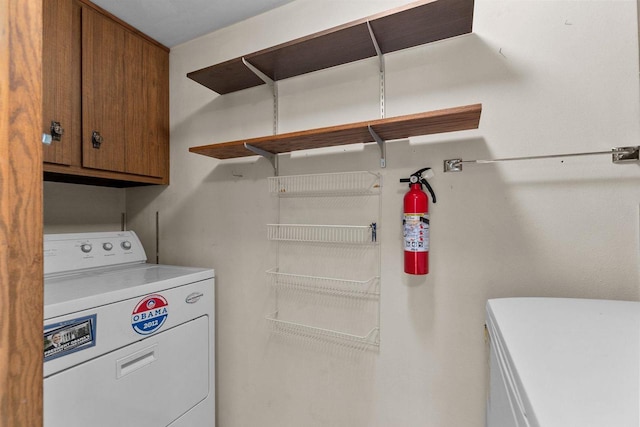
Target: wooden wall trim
<point x="21" y="281"/>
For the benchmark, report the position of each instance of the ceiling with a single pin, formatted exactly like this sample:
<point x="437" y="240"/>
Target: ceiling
<point x="172" y="22"/>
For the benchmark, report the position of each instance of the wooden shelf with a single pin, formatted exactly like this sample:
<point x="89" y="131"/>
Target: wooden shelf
<point x="411" y="25"/>
<point x="440" y="121"/>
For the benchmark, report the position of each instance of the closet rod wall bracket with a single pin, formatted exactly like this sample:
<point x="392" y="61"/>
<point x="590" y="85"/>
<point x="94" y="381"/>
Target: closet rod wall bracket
<point x="618" y="155"/>
<point x="272" y="157"/>
<point x="625" y="154"/>
<point x="453" y="165"/>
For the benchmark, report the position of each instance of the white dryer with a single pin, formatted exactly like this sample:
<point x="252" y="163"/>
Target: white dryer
<point x="126" y="343"/>
<point x="557" y="362"/>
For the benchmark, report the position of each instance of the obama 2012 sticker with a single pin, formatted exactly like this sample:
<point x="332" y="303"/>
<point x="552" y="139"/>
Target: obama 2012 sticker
<point x="150" y="314"/>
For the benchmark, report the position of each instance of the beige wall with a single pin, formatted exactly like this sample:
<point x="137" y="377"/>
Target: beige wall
<point x="553" y="77"/>
<point x="70" y="208"/>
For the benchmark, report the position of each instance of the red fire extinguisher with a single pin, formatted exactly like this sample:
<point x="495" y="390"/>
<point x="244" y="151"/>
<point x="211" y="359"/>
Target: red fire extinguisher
<point x="415" y="223"/>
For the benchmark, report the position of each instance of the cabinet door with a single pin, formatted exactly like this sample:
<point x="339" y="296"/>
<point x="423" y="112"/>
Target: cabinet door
<point x="147" y="107"/>
<point x="157" y="106"/>
<point x="103" y="77"/>
<point x="61" y="79"/>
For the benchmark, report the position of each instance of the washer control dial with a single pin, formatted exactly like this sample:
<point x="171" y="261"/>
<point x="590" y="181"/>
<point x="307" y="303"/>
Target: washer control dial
<point x="126" y="245"/>
<point x="85" y="247"/>
<point x="107" y="246"/>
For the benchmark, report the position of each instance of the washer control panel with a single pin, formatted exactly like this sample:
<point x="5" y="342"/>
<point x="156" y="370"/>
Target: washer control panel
<point x="77" y="251"/>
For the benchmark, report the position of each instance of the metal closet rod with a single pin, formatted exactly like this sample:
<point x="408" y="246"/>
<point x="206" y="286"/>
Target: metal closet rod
<point x="618" y="155"/>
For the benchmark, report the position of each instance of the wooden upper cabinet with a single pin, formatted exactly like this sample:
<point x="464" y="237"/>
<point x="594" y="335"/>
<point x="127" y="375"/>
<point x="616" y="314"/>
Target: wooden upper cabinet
<point x="103" y="77"/>
<point x="61" y="79"/>
<point x="147" y="107"/>
<point x="103" y="92"/>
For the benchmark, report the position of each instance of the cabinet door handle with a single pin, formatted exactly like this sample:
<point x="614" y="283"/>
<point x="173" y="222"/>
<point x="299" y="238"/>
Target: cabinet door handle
<point x="56" y="131"/>
<point x="96" y="139"/>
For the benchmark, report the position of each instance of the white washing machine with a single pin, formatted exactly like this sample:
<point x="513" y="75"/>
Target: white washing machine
<point x="558" y="362"/>
<point x="126" y="343"/>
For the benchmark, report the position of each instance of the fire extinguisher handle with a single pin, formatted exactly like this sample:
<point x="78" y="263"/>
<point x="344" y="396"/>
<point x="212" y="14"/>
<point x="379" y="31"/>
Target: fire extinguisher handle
<point x="426" y="184"/>
<point x="419" y="173"/>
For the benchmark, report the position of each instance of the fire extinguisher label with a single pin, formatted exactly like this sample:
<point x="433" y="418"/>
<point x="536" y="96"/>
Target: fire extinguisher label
<point x="416" y="232"/>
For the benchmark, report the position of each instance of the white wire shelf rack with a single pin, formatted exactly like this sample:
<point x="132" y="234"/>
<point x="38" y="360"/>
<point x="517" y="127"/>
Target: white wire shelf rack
<point x="329" y="184"/>
<point x="369" y="288"/>
<point x="347" y="234"/>
<point x="368" y="341"/>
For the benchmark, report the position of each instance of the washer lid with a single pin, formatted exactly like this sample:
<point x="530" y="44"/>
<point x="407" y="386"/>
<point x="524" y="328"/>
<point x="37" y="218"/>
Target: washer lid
<point x="74" y="292"/>
<point x="575" y="362"/>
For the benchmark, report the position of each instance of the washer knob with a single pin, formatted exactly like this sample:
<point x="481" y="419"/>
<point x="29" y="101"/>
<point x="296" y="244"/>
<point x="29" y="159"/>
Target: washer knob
<point x="126" y="245"/>
<point x="85" y="247"/>
<point x="107" y="246"/>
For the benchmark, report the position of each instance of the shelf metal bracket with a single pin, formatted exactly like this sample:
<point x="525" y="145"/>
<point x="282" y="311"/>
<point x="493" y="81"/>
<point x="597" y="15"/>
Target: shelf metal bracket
<point x="383" y="147"/>
<point x="274" y="89"/>
<point x="381" y="60"/>
<point x="272" y="157"/>
<point x="618" y="155"/>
